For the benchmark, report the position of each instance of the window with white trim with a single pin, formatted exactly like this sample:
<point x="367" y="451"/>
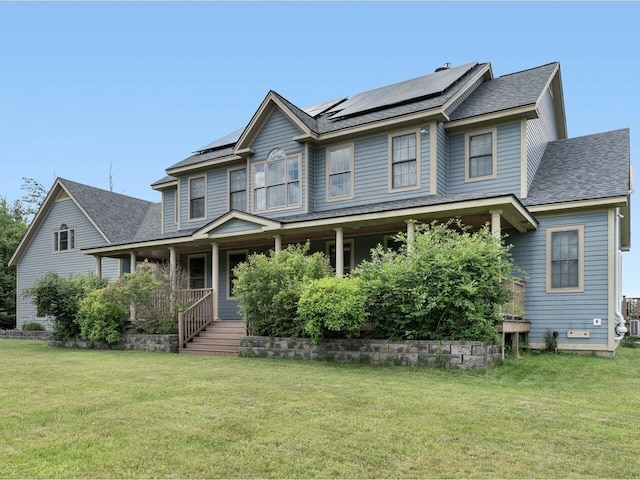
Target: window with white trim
<point x="276" y="182"/>
<point x="480" y="153"/>
<point x="196" y="197"/>
<point x="64" y="239"/>
<point x="347" y="255"/>
<point x="233" y="260"/>
<point x="565" y="259"/>
<point x="404" y="161"/>
<point x="340" y="172"/>
<point x="238" y="190"/>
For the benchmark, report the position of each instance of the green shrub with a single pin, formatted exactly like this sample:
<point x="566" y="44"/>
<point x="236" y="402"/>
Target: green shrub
<point x="448" y="285"/>
<point x="268" y="288"/>
<point x="102" y="315"/>
<point x="332" y="306"/>
<point x="33" y="327"/>
<point x="60" y="297"/>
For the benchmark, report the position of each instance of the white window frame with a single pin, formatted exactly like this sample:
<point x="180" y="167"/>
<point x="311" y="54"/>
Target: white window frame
<point x="328" y="175"/>
<point x="549" y="252"/>
<point x="345" y="242"/>
<point x="390" y="138"/>
<point x="246" y="187"/>
<point x="244" y="252"/>
<point x="287" y="206"/>
<point x="204" y="199"/>
<point x="71" y="235"/>
<point x="494" y="154"/>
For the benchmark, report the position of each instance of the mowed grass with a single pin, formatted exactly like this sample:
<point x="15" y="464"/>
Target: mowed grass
<point x="67" y="413"/>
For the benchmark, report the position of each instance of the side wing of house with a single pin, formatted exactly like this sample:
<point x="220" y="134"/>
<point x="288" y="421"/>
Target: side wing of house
<point x="54" y="245"/>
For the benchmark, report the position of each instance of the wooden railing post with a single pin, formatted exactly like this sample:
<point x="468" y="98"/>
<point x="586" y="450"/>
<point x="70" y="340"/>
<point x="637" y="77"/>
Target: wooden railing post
<point x="181" y="328"/>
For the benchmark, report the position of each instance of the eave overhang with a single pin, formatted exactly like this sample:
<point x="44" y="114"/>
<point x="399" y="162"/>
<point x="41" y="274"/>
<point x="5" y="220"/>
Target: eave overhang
<point x="202" y="165"/>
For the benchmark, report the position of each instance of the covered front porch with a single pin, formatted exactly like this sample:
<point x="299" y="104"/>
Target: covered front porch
<point x="206" y="257"/>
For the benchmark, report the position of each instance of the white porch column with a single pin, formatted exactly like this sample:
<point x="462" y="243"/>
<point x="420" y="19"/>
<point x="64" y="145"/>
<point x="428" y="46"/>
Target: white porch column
<point x="411" y="234"/>
<point x="339" y="252"/>
<point x="495" y="222"/>
<point x="215" y="277"/>
<point x="278" y="245"/>
<point x="98" y="266"/>
<point x="173" y="267"/>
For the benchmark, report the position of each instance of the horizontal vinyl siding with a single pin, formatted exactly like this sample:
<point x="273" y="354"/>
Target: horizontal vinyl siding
<point x="371" y="173"/>
<point x="39" y="257"/>
<point x="540" y="131"/>
<point x="508" y="178"/>
<point x="216" y="198"/>
<point x="443" y="160"/>
<point x="561" y="312"/>
<point x="169" y="211"/>
<point x="278" y="132"/>
<point x="236" y="225"/>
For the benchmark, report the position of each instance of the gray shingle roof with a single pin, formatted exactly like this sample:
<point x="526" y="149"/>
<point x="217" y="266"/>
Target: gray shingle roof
<point x="163" y="180"/>
<point x="506" y="92"/>
<point x="582" y="168"/>
<point x="118" y="216"/>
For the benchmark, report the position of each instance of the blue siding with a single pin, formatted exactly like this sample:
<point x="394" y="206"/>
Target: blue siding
<point x="443" y="160"/>
<point x="278" y="132"/>
<point x="371" y="173"/>
<point x="562" y="312"/>
<point x="508" y="178"/>
<point x="236" y="225"/>
<point x="168" y="211"/>
<point x="217" y="203"/>
<point x="39" y="257"/>
<point x="540" y="131"/>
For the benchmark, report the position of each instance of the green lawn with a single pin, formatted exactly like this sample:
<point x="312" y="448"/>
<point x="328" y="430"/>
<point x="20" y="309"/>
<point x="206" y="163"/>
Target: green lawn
<point x="103" y="414"/>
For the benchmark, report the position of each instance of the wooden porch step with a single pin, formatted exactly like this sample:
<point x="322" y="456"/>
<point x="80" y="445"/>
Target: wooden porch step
<point x="221" y="338"/>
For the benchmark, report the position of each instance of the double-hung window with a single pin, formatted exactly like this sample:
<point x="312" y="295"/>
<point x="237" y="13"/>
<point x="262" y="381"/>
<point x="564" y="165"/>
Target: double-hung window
<point x="196" y="197"/>
<point x="276" y="182"/>
<point x="238" y="190"/>
<point x="480" y="156"/>
<point x="64" y="239"/>
<point x="565" y="259"/>
<point x="403" y="155"/>
<point x="340" y="172"/>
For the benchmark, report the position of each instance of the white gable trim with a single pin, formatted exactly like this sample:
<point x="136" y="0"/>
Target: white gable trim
<point x="262" y="225"/>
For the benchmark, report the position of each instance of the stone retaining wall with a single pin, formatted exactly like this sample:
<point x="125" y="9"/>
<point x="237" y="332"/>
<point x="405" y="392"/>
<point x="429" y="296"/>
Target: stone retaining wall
<point x="461" y="355"/>
<point x="151" y="343"/>
<point x="25" y="334"/>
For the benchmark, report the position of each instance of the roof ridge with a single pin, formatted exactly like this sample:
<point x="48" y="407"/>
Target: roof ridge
<point x="527" y="70"/>
<point x="84" y="185"/>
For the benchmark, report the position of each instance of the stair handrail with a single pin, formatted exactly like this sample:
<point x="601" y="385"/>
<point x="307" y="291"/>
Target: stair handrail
<point x="195" y="318"/>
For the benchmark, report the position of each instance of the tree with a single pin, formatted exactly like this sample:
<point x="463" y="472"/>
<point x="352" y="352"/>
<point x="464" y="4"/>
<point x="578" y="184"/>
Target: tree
<point x="12" y="228"/>
<point x="14" y="218"/>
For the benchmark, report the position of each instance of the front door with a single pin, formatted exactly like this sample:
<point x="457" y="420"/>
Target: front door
<point x="197" y="271"/>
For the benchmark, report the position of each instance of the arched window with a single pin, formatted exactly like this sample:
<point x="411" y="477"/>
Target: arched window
<point x="276" y="182"/>
<point x="64" y="239"/>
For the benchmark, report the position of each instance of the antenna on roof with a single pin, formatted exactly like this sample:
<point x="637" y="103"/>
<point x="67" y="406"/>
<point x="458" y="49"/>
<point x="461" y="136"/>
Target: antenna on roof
<point x="446" y="66"/>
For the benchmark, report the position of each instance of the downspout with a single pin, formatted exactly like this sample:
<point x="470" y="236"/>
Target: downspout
<point x="620" y="328"/>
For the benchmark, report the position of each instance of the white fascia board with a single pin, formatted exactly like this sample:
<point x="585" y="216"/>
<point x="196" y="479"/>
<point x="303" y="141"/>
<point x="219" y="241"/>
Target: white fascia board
<point x="205" y="164"/>
<point x="621" y="201"/>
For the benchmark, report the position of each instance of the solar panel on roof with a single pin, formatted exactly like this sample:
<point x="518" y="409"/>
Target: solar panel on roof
<point x="229" y="139"/>
<point x="319" y="108"/>
<point x="425" y="86"/>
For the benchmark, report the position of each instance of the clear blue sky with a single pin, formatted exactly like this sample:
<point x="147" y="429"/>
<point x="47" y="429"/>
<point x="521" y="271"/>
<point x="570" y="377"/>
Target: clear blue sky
<point x="139" y="86"/>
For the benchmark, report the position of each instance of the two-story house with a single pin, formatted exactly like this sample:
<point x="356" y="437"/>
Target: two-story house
<point x="348" y="174"/>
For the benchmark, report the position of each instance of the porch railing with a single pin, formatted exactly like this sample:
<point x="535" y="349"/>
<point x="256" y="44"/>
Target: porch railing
<point x="514" y="309"/>
<point x="196" y="317"/>
<point x="631" y="308"/>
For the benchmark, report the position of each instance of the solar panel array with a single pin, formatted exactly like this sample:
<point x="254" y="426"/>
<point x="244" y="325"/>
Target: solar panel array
<point x="425" y="86"/>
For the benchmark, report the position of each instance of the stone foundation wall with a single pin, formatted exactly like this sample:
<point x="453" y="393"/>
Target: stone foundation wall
<point x="151" y="343"/>
<point x="461" y="355"/>
<point x="25" y="334"/>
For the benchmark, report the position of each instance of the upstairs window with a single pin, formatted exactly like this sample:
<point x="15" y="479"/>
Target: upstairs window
<point x="64" y="239"/>
<point x="196" y="198"/>
<point x="238" y="190"/>
<point x="340" y="172"/>
<point x="565" y="259"/>
<point x="276" y="182"/>
<point x="481" y="156"/>
<point x="404" y="161"/>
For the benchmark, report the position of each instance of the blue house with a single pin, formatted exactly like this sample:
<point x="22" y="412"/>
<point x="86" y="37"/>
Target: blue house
<point x="349" y="173"/>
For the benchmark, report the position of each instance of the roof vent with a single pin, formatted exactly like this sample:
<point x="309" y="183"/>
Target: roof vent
<point x="446" y="66"/>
